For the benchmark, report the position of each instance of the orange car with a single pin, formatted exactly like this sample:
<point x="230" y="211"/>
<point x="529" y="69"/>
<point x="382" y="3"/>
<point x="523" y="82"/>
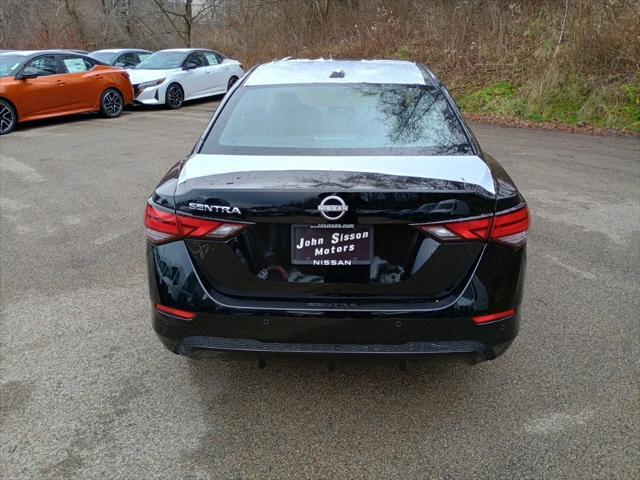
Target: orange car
<point x="50" y="83"/>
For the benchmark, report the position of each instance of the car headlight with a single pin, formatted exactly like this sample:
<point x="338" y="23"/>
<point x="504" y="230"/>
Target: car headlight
<point x="153" y="83"/>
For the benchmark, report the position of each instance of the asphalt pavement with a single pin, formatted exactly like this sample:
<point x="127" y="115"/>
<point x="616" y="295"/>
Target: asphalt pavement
<point x="87" y="392"/>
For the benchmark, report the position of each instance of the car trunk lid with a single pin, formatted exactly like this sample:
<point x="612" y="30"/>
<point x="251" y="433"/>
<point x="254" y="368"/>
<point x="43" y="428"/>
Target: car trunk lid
<point x="384" y="197"/>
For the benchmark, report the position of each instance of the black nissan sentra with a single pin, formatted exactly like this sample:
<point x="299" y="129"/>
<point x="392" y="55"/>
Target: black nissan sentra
<point x="337" y="207"/>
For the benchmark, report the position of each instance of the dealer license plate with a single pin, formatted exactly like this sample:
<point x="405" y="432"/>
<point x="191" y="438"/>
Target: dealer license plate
<point x="331" y="245"/>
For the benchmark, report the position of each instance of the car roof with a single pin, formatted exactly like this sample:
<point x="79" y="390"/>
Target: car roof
<point x="120" y="50"/>
<point x="289" y="71"/>
<point x="22" y="53"/>
<point x="186" y="50"/>
<point x="28" y="53"/>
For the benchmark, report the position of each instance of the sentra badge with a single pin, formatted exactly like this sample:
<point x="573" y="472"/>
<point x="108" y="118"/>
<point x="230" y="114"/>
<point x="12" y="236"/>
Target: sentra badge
<point x="201" y="207"/>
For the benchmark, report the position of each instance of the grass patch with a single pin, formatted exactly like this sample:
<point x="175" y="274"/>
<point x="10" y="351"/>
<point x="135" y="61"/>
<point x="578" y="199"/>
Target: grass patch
<point x="500" y="99"/>
<point x="571" y="102"/>
<point x="613" y="107"/>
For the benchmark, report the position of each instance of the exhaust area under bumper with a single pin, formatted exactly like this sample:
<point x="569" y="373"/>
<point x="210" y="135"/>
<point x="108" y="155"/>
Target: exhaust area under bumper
<point x="189" y="344"/>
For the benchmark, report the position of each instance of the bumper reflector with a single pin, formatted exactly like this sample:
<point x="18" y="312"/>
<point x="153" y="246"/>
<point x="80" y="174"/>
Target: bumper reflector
<point x="494" y="317"/>
<point x="182" y="314"/>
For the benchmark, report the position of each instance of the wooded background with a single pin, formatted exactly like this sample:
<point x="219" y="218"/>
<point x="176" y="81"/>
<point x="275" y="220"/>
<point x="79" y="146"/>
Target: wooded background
<point x="570" y="61"/>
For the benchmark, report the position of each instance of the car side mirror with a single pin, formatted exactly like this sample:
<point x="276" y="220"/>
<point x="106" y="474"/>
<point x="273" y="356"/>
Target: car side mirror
<point x="27" y="73"/>
<point x="189" y="66"/>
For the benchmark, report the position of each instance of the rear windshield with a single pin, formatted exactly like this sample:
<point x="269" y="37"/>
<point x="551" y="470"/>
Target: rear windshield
<point x="337" y="119"/>
<point x="9" y="64"/>
<point x="106" y="57"/>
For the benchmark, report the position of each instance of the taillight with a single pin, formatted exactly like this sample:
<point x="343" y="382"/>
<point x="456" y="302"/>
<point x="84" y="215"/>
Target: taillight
<point x="197" y="228"/>
<point x="508" y="228"/>
<point x="468" y="230"/>
<point x="162" y="227"/>
<point x="511" y="228"/>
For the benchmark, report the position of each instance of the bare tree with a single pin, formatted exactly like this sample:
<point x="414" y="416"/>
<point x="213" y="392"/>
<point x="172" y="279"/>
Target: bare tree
<point x="184" y="15"/>
<point x="72" y="11"/>
<point x="122" y="10"/>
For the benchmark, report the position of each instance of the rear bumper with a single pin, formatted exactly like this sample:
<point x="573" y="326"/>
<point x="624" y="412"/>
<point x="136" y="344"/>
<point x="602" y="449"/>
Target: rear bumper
<point x="128" y="96"/>
<point x="189" y="345"/>
<point x="334" y="328"/>
<point x="342" y="335"/>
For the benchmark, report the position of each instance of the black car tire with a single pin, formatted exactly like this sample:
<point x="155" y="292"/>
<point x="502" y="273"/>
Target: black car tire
<point x="8" y="117"/>
<point x="111" y="103"/>
<point x="231" y="82"/>
<point x="174" y="96"/>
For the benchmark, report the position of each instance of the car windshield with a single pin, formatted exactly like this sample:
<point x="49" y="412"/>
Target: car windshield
<point x="9" y="64"/>
<point x="338" y="119"/>
<point x="106" y="57"/>
<point x="163" y="60"/>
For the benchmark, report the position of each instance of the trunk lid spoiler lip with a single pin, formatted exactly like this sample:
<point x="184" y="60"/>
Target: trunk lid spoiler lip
<point x="467" y="169"/>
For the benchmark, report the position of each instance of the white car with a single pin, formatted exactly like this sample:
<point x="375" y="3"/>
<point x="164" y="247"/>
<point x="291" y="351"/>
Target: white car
<point x="170" y="77"/>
